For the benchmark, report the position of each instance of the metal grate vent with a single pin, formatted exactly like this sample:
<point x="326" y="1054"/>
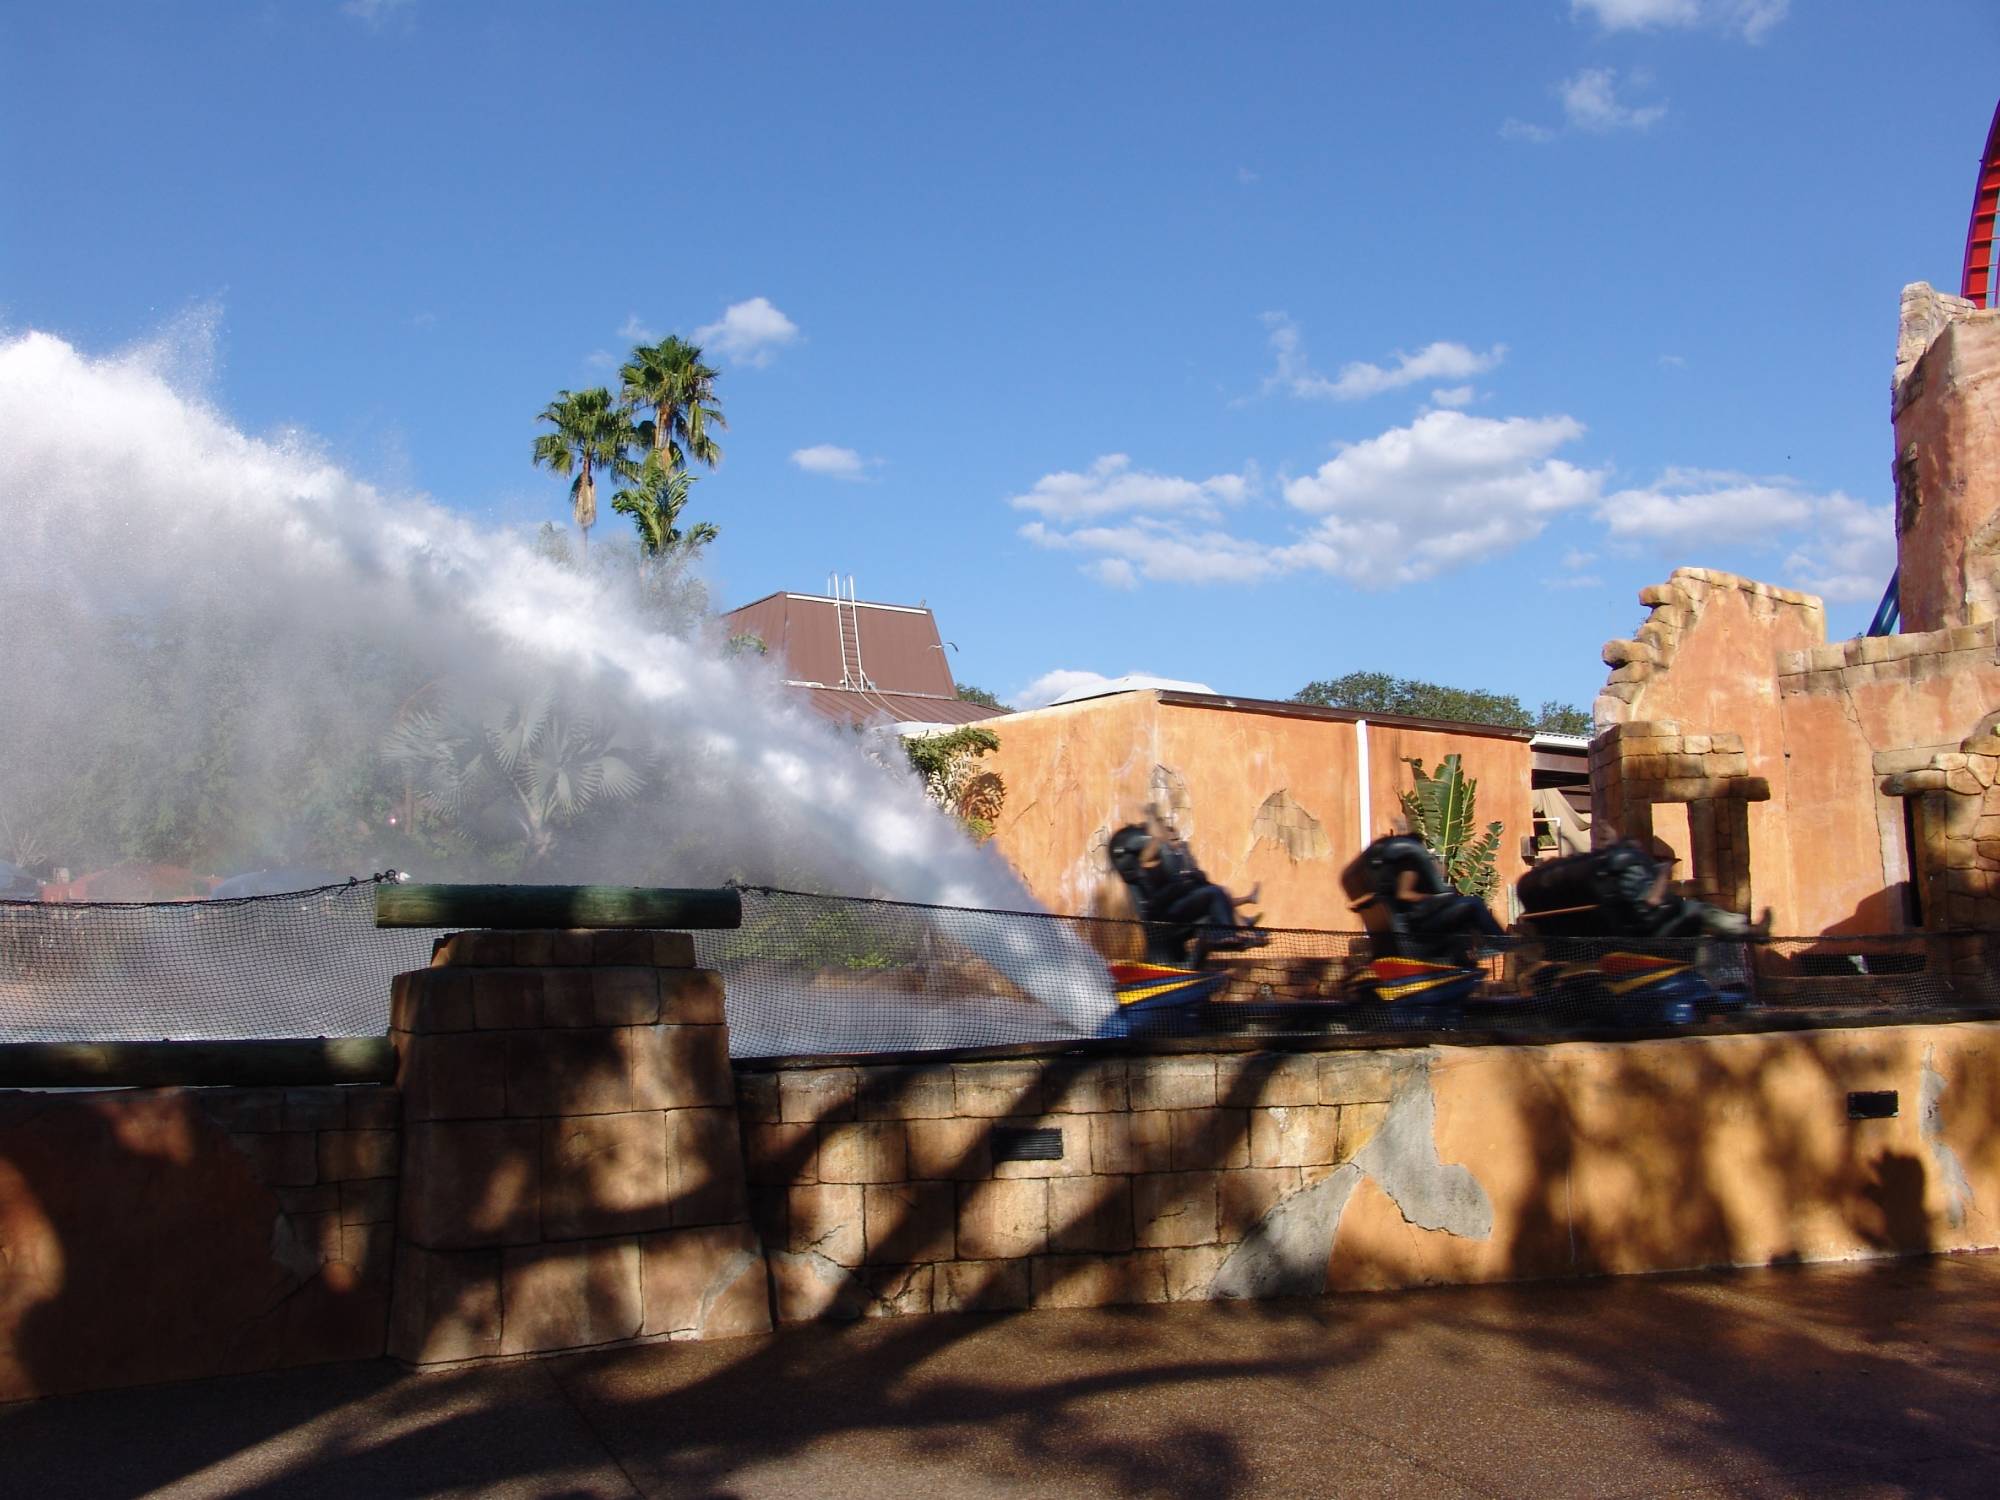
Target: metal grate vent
<point x="1872" y="1104"/>
<point x="1027" y="1145"/>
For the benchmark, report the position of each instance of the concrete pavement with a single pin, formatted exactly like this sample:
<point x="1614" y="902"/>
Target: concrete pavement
<point x="1851" y="1381"/>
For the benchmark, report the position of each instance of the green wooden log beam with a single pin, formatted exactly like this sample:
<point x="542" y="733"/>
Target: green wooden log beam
<point x="522" y="907"/>
<point x="263" y="1062"/>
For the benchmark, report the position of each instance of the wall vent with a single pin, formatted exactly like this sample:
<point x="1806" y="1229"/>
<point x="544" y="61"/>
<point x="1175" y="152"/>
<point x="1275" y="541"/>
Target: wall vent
<point x="1028" y="1145"/>
<point x="1872" y="1104"/>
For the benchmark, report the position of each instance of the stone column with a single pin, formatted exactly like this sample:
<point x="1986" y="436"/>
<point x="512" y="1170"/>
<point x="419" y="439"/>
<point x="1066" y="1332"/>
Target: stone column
<point x="572" y="1175"/>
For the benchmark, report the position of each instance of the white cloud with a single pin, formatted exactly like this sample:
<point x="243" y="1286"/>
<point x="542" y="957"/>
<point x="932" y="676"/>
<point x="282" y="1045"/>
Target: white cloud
<point x="1590" y="102"/>
<point x="1851" y="554"/>
<point x="1750" y="19"/>
<point x="1703" y="507"/>
<point x="1673" y="361"/>
<point x="1446" y="490"/>
<point x="373" y="13"/>
<point x="748" y="332"/>
<point x="833" y="462"/>
<point x="1247" y="178"/>
<point x="1052" y="685"/>
<point x="1294" y="373"/>
<point x="1111" y="485"/>
<point x="1163" y="551"/>
<point x="601" y="359"/>
<point x="1576" y="557"/>
<point x="1458" y="395"/>
<point x="1521" y="130"/>
<point x="1574" y="581"/>
<point x="1114" y="571"/>
<point x="638" y="332"/>
<point x="1414" y="502"/>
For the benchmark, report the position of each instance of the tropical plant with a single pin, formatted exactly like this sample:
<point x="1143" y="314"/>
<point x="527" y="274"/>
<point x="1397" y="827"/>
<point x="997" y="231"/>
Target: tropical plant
<point x="670" y="378"/>
<point x="592" y="432"/>
<point x="948" y="762"/>
<point x="655" y="502"/>
<point x="538" y="766"/>
<point x="1439" y="809"/>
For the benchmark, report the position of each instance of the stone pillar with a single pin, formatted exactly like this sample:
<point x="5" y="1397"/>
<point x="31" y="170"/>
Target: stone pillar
<point x="572" y="1175"/>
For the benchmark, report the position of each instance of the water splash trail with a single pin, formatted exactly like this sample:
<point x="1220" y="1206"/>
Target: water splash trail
<point x="131" y="507"/>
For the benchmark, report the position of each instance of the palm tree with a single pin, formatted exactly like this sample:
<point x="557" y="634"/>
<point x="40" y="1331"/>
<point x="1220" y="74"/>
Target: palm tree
<point x="670" y="378"/>
<point x="655" y="504"/>
<point x="535" y="764"/>
<point x="592" y="432"/>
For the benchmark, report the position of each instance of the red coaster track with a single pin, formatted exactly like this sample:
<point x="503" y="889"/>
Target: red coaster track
<point x="1977" y="283"/>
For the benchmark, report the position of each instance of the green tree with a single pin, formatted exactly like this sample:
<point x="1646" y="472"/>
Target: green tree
<point x="969" y="694"/>
<point x="1563" y="718"/>
<point x="1381" y="693"/>
<point x="670" y="379"/>
<point x="1439" y="809"/>
<point x="532" y="768"/>
<point x="592" y="432"/>
<point x="655" y="502"/>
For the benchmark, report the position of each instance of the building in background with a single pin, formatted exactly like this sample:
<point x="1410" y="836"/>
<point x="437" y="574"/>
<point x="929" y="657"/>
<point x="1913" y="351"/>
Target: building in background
<point x="1269" y="794"/>
<point x="856" y="662"/>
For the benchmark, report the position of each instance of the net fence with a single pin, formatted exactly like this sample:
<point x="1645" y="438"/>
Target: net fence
<point x="819" y="975"/>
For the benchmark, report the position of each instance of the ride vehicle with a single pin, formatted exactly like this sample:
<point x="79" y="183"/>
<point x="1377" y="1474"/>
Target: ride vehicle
<point x="1617" y="944"/>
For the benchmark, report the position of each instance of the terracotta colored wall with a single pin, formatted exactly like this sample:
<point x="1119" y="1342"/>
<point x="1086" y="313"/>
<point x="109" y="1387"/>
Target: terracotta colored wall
<point x="1076" y="772"/>
<point x="151" y="1235"/>
<point x="877" y="1191"/>
<point x="1947" y="475"/>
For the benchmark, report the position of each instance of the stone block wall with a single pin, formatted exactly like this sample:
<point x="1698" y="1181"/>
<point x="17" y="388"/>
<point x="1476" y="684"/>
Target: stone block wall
<point x="1635" y="766"/>
<point x="170" y="1234"/>
<point x="572" y="1174"/>
<point x="887" y="1190"/>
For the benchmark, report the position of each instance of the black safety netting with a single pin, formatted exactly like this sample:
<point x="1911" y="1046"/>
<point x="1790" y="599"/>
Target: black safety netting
<point x="812" y="975"/>
<point x="301" y="964"/>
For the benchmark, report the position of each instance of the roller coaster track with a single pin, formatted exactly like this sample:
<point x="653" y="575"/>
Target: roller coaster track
<point x="1977" y="283"/>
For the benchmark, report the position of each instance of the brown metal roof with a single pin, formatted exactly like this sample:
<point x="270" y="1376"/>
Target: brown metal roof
<point x="847" y="707"/>
<point x="901" y="651"/>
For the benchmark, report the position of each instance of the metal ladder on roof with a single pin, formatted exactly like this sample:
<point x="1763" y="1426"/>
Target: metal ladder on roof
<point x="847" y="622"/>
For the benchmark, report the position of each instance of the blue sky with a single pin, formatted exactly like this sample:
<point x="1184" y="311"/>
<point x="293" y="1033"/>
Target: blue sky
<point x="1244" y="346"/>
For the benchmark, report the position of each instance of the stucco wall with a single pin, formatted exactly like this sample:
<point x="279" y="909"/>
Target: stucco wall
<point x="165" y="1234"/>
<point x="1947" y="465"/>
<point x="878" y="1192"/>
<point x="1075" y="773"/>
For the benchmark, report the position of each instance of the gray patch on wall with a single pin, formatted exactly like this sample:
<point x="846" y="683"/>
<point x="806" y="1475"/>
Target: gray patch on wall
<point x="1430" y="1192"/>
<point x="1282" y="821"/>
<point x="1286" y="1255"/>
<point x="1930" y="1125"/>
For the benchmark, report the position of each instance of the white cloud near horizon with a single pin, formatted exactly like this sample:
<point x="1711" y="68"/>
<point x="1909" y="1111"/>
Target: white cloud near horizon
<point x="1050" y="686"/>
<point x="748" y="333"/>
<point x="1357" y="380"/>
<point x="1752" y="20"/>
<point x="1458" y="395"/>
<point x="637" y="331"/>
<point x="833" y="462"/>
<point x="1111" y="485"/>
